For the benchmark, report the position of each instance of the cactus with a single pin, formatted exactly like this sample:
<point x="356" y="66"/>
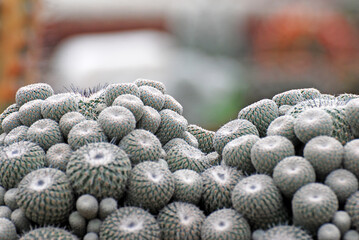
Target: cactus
<point x="132" y="103"/>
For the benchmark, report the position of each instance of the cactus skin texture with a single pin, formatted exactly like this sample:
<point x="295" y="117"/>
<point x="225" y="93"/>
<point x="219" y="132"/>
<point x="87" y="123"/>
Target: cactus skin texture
<point x="155" y="84"/>
<point x="225" y="224"/>
<point x="69" y="120"/>
<point x="325" y="154"/>
<point x="46" y="196"/>
<point x="152" y="97"/>
<point x="7" y="229"/>
<point x="351" y="157"/>
<point x="24" y="157"/>
<point x="218" y="183"/>
<point x="112" y="91"/>
<point x="130" y="223"/>
<point x="292" y="173"/>
<point x="259" y="200"/>
<point x="99" y="169"/>
<point x="230" y="131"/>
<point x="132" y="103"/>
<point x="150" y="186"/>
<point x="56" y="106"/>
<point x="291" y="97"/>
<point x="285" y="232"/>
<point x="150" y="120"/>
<point x="30" y="112"/>
<point x="180" y="221"/>
<point x="45" y="233"/>
<point x="313" y="205"/>
<point x="283" y="126"/>
<point x="203" y="136"/>
<point x="261" y="114"/>
<point x="237" y="153"/>
<point x="188" y="186"/>
<point x="352" y="208"/>
<point x="45" y="132"/>
<point x="267" y="152"/>
<point x="33" y="91"/>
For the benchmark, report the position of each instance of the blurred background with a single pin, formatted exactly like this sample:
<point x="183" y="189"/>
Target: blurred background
<point x="215" y="57"/>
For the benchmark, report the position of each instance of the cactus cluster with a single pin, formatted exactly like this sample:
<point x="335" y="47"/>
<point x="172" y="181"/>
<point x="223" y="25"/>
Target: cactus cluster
<point x="122" y="162"/>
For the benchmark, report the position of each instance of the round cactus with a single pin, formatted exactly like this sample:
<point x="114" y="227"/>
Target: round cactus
<point x="87" y="206"/>
<point x="56" y="106"/>
<point x="232" y="130"/>
<point x="22" y="156"/>
<point x="343" y="183"/>
<point x="5" y="212"/>
<point x="130" y="223"/>
<point x="21" y="222"/>
<point x="48" y="233"/>
<point x="190" y="139"/>
<point x="283" y="126"/>
<point x="91" y="102"/>
<point x="94" y="225"/>
<point x="351" y="157"/>
<point x="218" y="183"/>
<point x="261" y="114"/>
<point x="292" y="173"/>
<point x="147" y="82"/>
<point x="172" y="125"/>
<point x="117" y="122"/>
<point x="259" y="200"/>
<point x="10" y="109"/>
<point x="107" y="206"/>
<point x="132" y="103"/>
<point x="313" y="205"/>
<point x="285" y="232"/>
<point x="237" y="153"/>
<point x="342" y="220"/>
<point x="58" y="156"/>
<point x="152" y="97"/>
<point x="141" y="145"/>
<point x="46" y="196"/>
<point x="69" y="120"/>
<point x="33" y="91"/>
<point x="173" y="143"/>
<point x="328" y="231"/>
<point x="186" y="157"/>
<point x="309" y="93"/>
<point x="179" y="220"/>
<point x="150" y="186"/>
<point x="268" y="151"/>
<point x="203" y="136"/>
<point x="291" y="97"/>
<point x="172" y="104"/>
<point x="150" y="119"/>
<point x="352" y="208"/>
<point x="282" y="110"/>
<point x="45" y="132"/>
<point x="352" y="115"/>
<point x="112" y="91"/>
<point x="30" y="112"/>
<point x="325" y="154"/>
<point x="85" y="132"/>
<point x="7" y="230"/>
<point x="188" y="186"/>
<point x="11" y="121"/>
<point x="351" y="235"/>
<point x="311" y="123"/>
<point x="99" y="169"/>
<point x="77" y="223"/>
<point x="18" y="134"/>
<point x="225" y="224"/>
<point x="10" y="198"/>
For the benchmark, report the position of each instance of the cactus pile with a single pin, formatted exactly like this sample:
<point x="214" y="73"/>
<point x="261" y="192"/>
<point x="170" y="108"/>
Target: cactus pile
<point x="121" y="162"/>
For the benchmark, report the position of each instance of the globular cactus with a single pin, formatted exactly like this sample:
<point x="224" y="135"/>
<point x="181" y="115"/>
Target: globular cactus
<point x="225" y="224"/>
<point x="30" y="112"/>
<point x="285" y="232"/>
<point x="99" y="169"/>
<point x="141" y="145"/>
<point x="87" y="206"/>
<point x="150" y="120"/>
<point x="325" y="154"/>
<point x="270" y="150"/>
<point x="351" y="157"/>
<point x="261" y="114"/>
<point x="150" y="186"/>
<point x="230" y="131"/>
<point x="33" y="91"/>
<point x="290" y="97"/>
<point x="46" y="196"/>
<point x="352" y="208"/>
<point x="132" y="103"/>
<point x="313" y="205"/>
<point x="283" y="126"/>
<point x="179" y="220"/>
<point x="130" y="223"/>
<point x="312" y="123"/>
<point x="188" y="186"/>
<point x="24" y="157"/>
<point x="45" y="132"/>
<point x="328" y="231"/>
<point x="218" y="184"/>
<point x="18" y="134"/>
<point x="237" y="153"/>
<point x="7" y="229"/>
<point x="58" y="156"/>
<point x="112" y="91"/>
<point x="43" y="233"/>
<point x="10" y="122"/>
<point x="203" y="136"/>
<point x="57" y="105"/>
<point x="152" y="83"/>
<point x="172" y="104"/>
<point x="152" y="97"/>
<point x="68" y="121"/>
